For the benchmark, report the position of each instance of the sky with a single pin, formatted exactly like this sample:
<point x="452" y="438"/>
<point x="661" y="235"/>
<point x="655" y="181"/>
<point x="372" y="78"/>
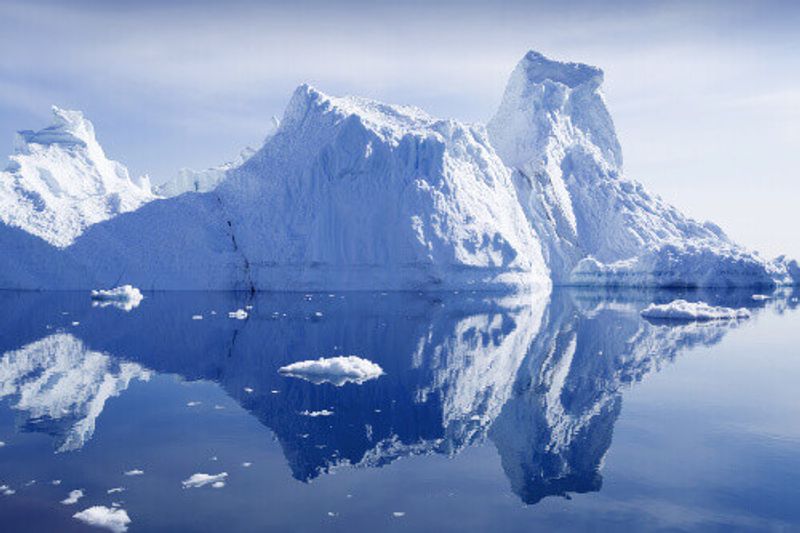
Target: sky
<point x="705" y="95"/>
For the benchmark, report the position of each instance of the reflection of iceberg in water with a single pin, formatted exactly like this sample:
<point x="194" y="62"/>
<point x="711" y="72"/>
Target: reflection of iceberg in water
<point x="62" y="386"/>
<point x="554" y="432"/>
<point x="539" y="376"/>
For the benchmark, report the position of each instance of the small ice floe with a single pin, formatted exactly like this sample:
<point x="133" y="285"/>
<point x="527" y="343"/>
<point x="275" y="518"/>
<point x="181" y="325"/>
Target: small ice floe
<point x="332" y="514"/>
<point x="314" y="414"/>
<point x="273" y="391"/>
<point x="115" y="490"/>
<point x="193" y="403"/>
<point x="760" y="297"/>
<point x="198" y="480"/>
<point x="213" y="312"/>
<point x="110" y="518"/>
<point x="398" y="514"/>
<point x="239" y="314"/>
<point x="317" y="315"/>
<point x="248" y="390"/>
<point x="335" y="370"/>
<point x="214" y="458"/>
<point x="73" y="497"/>
<point x="76" y="323"/>
<point x="5" y="490"/>
<point x="134" y="472"/>
<point x="248" y="307"/>
<point x="56" y="482"/>
<point x="126" y="297"/>
<point x="692" y="311"/>
<point x="247" y="464"/>
<point x="197" y="317"/>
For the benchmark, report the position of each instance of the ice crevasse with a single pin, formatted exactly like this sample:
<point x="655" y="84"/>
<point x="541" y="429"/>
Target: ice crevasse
<point x="350" y="193"/>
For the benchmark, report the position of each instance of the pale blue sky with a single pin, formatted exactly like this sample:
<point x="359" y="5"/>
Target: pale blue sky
<point x="705" y="95"/>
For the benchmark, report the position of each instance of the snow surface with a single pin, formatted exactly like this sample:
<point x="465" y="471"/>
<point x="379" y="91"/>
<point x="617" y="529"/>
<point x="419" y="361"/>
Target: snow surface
<point x="350" y="193"/>
<point x="59" y="182"/>
<point x="336" y="370"/>
<point x="113" y="519"/>
<point x="687" y="311"/>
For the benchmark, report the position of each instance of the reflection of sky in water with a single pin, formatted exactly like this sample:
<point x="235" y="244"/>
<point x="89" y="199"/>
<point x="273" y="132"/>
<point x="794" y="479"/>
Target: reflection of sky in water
<point x="494" y="405"/>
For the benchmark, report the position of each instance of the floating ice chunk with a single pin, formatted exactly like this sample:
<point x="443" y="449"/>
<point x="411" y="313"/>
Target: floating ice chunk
<point x="134" y="472"/>
<point x="73" y="497"/>
<point x="115" y="490"/>
<point x="125" y="297"/>
<point x="315" y="414"/>
<point x="56" y="482"/>
<point x="247" y="464"/>
<point x="760" y="297"/>
<point x="201" y="480"/>
<point x="76" y="323"/>
<point x="193" y="404"/>
<point x="683" y="310"/>
<point x="336" y="370"/>
<point x="398" y="514"/>
<point x="197" y="317"/>
<point x="113" y="519"/>
<point x="239" y="314"/>
<point x="248" y="390"/>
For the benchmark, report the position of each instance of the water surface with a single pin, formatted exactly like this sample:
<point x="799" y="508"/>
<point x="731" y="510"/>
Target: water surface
<point x="565" y="411"/>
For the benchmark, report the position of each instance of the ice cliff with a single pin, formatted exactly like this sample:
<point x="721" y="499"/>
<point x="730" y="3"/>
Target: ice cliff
<point x="59" y="181"/>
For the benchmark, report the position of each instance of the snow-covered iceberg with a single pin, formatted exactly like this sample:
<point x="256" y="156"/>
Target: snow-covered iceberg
<point x="352" y="194"/>
<point x="598" y="227"/>
<point x="336" y="370"/>
<point x="687" y="311"/>
<point x="59" y="181"/>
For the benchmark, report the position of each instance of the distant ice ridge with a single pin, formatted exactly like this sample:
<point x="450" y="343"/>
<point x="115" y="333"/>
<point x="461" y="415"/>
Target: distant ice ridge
<point x="125" y="297"/>
<point x="336" y="370"/>
<point x="59" y="181"/>
<point x="688" y="311"/>
<point x="189" y="180"/>
<point x="597" y="227"/>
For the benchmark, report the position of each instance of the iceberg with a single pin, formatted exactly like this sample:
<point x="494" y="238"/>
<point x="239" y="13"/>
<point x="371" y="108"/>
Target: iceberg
<point x="112" y="518"/>
<point x="348" y="193"/>
<point x="59" y="181"/>
<point x="125" y="297"/>
<point x="198" y="480"/>
<point x="598" y="227"/>
<point x="335" y="370"/>
<point x="688" y="311"/>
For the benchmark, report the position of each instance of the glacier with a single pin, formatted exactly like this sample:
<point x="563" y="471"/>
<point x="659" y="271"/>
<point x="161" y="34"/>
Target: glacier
<point x="348" y="193"/>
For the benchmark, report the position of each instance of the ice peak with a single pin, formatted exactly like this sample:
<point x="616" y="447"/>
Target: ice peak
<point x="549" y="109"/>
<point x="539" y="69"/>
<point x="69" y="128"/>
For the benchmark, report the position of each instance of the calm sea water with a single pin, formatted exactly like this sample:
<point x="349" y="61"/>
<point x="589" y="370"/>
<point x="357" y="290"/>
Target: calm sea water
<point x="560" y="412"/>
